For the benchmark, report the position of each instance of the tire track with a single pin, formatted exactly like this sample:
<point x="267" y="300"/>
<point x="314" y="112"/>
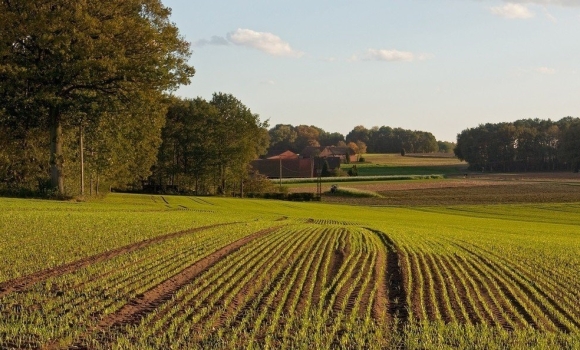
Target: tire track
<point x="393" y="284"/>
<point x="21" y="284"/>
<point x="147" y="302"/>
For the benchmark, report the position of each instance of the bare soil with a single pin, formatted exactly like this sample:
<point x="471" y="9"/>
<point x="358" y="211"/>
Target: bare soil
<point x="474" y="189"/>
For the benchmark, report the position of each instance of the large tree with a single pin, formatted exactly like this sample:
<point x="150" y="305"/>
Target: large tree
<point x="61" y="58"/>
<point x="240" y="137"/>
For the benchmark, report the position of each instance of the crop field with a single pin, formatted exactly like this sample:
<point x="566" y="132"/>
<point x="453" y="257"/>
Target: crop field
<point x="411" y="164"/>
<point x="160" y="272"/>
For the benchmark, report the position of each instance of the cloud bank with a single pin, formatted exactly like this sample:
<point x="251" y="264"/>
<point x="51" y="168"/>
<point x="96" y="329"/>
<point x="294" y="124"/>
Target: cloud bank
<point x="512" y="11"/>
<point x="545" y="70"/>
<point x="569" y="3"/>
<point x="215" y="40"/>
<point x="263" y="41"/>
<point x="390" y="56"/>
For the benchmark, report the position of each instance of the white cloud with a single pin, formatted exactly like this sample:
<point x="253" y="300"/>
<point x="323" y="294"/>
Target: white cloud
<point x="390" y="56"/>
<point x="550" y="16"/>
<point x="545" y="70"/>
<point x="512" y="11"/>
<point x="215" y="40"/>
<point x="268" y="82"/>
<point x="569" y="3"/>
<point x="266" y="42"/>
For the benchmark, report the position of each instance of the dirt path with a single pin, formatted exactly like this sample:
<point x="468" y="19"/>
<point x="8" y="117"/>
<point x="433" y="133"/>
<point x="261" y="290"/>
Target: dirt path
<point x="23" y="283"/>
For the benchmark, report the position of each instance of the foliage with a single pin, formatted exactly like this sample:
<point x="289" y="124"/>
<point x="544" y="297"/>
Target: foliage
<point x="353" y="192"/>
<point x="446" y="147"/>
<point x="353" y="171"/>
<point x="65" y="64"/>
<point x="391" y="140"/>
<point x="207" y="146"/>
<point x="524" y="145"/>
<point x="325" y="172"/>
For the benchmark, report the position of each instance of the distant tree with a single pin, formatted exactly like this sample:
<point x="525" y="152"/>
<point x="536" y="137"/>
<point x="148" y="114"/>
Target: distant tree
<point x="325" y="169"/>
<point x="403" y="152"/>
<point x="524" y="145"/>
<point x="306" y="136"/>
<point x="362" y="147"/>
<point x="240" y="138"/>
<point x="359" y="133"/>
<point x="353" y="146"/>
<point x="570" y="146"/>
<point x="353" y="171"/>
<point x="329" y="139"/>
<point x="283" y="137"/>
<point x="207" y="146"/>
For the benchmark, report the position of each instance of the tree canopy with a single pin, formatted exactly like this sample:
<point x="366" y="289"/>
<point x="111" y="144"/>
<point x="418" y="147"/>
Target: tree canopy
<point x="524" y="145"/>
<point x="385" y="139"/>
<point x="64" y="63"/>
<point x="207" y="146"/>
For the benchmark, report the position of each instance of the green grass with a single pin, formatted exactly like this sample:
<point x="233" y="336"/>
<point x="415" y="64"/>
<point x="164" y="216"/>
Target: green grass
<point x="521" y="260"/>
<point x="395" y="164"/>
<point x="358" y="179"/>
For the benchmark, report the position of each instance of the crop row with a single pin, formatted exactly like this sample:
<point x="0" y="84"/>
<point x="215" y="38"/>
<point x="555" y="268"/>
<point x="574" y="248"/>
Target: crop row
<point x="274" y="291"/>
<point x="60" y="309"/>
<point x="456" y="281"/>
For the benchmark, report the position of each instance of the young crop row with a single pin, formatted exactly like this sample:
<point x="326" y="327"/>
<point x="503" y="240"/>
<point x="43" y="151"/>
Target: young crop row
<point x="63" y="308"/>
<point x="273" y="291"/>
<point x="456" y="281"/>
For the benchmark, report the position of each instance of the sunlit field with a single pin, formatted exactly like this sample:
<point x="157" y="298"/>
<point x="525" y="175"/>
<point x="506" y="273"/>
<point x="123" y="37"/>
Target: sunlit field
<point x="140" y="271"/>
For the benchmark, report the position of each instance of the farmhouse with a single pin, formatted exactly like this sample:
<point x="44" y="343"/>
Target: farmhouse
<point x="291" y="165"/>
<point x="345" y="154"/>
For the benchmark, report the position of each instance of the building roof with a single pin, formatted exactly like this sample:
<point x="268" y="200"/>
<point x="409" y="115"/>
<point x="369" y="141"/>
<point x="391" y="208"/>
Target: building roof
<point x="328" y="151"/>
<point x="285" y="155"/>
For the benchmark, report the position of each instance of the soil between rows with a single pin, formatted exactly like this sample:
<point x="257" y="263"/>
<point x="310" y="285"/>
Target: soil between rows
<point x="137" y="308"/>
<point x="23" y="283"/>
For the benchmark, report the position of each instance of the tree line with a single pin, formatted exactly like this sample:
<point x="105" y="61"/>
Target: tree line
<point x="523" y="145"/>
<point x="382" y="139"/>
<point x="207" y="146"/>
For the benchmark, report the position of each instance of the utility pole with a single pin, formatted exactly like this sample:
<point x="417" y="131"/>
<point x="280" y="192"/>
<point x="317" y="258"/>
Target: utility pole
<point x="280" y="174"/>
<point x="319" y="182"/>
<point x="82" y="160"/>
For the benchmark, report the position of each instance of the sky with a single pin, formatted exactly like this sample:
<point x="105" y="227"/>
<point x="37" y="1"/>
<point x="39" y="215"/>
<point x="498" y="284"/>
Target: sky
<point x="440" y="66"/>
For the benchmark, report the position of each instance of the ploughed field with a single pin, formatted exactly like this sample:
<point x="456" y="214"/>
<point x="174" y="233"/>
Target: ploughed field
<point x="136" y="271"/>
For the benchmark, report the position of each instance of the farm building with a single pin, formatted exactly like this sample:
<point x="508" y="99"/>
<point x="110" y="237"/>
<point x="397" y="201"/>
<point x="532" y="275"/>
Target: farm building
<point x="291" y="165"/>
<point x="345" y="154"/>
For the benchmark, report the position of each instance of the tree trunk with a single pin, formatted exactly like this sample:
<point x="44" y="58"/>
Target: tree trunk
<point x="56" y="156"/>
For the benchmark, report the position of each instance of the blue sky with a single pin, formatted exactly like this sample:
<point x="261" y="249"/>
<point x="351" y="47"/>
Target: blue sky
<point x="433" y="65"/>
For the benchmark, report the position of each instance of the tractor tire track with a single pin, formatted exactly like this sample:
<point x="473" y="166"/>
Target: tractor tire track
<point x="136" y="309"/>
<point x="23" y="283"/>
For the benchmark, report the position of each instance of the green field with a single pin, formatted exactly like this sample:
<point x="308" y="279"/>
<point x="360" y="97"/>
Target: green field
<point x="395" y="164"/>
<point x="139" y="271"/>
